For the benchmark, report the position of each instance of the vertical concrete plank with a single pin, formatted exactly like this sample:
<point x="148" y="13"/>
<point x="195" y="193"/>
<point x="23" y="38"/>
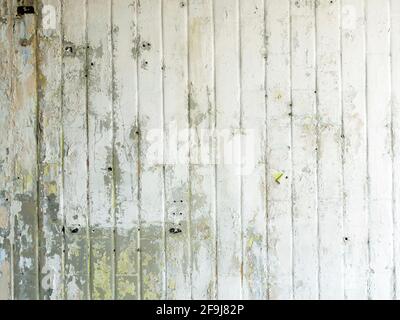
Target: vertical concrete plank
<point x="253" y="155"/>
<point x="125" y="146"/>
<point x="6" y="170"/>
<point x="305" y="185"/>
<point x="330" y="146"/>
<point x="279" y="149"/>
<point x="228" y="111"/>
<point x="101" y="153"/>
<point x="148" y="53"/>
<point x="380" y="166"/>
<point x="75" y="150"/>
<point x="51" y="217"/>
<point x="176" y="148"/>
<point x="24" y="200"/>
<point x="202" y="155"/>
<point x="355" y="224"/>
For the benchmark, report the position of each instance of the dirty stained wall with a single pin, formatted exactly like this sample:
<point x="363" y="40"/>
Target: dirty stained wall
<point x="86" y="212"/>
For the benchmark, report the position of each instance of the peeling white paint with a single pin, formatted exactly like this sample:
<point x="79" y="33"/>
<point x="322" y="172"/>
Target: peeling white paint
<point x="115" y="181"/>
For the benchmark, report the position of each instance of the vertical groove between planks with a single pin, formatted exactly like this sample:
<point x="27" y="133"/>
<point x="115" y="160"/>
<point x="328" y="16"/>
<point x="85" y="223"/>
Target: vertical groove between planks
<point x="89" y="228"/>
<point x="139" y="129"/>
<point x="113" y="166"/>
<point x="214" y="148"/>
<point x="239" y="27"/>
<point x="265" y="154"/>
<point x="367" y="146"/>
<point x="165" y="273"/>
<point x="318" y="147"/>
<point x="62" y="153"/>
<point x="342" y="133"/>
<point x="189" y="153"/>
<point x="392" y="149"/>
<point x="291" y="146"/>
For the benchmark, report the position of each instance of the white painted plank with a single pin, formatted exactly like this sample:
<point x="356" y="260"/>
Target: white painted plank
<point x="101" y="171"/>
<point x="278" y="150"/>
<point x="329" y="109"/>
<point x="202" y="169"/>
<point x="125" y="148"/>
<point x="176" y="151"/>
<point x="50" y="151"/>
<point x="379" y="149"/>
<point x="5" y="147"/>
<point x="355" y="150"/>
<point x="304" y="151"/>
<point x="152" y="229"/>
<point x="227" y="77"/>
<point x="253" y="149"/>
<point x="75" y="151"/>
<point x="395" y="71"/>
<point x="24" y="201"/>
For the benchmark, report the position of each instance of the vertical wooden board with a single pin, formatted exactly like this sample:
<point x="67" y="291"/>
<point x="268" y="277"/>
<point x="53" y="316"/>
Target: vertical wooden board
<point x="253" y="114"/>
<point x="152" y="231"/>
<point x="176" y="151"/>
<point x="202" y="169"/>
<point x="227" y="77"/>
<point x="24" y="203"/>
<point x="101" y="171"/>
<point x="278" y="150"/>
<point x="305" y="189"/>
<point x="5" y="147"/>
<point x="329" y="108"/>
<point x="50" y="150"/>
<point x="354" y="154"/>
<point x="395" y="71"/>
<point x="125" y="147"/>
<point x="379" y="149"/>
<point x="75" y="150"/>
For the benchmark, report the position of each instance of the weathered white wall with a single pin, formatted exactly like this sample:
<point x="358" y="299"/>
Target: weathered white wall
<point x="306" y="91"/>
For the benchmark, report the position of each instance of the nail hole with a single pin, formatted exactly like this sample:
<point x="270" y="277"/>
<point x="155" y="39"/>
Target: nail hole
<point x="21" y="10"/>
<point x="175" y="230"/>
<point x="23" y="42"/>
<point x="109" y="169"/>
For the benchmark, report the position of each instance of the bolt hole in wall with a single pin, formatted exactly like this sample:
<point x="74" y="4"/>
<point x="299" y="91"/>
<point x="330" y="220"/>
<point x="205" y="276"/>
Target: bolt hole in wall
<point x="199" y="149"/>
